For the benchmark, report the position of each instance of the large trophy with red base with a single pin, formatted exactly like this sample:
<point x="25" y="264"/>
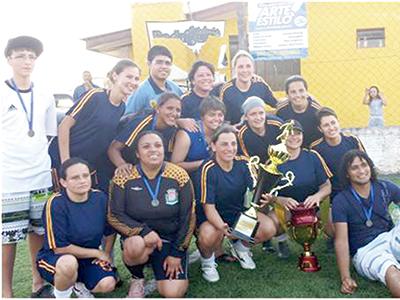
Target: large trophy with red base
<point x="303" y="227"/>
<point x="266" y="175"/>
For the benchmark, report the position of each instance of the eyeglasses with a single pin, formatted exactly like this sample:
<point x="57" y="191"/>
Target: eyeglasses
<point x="30" y="57"/>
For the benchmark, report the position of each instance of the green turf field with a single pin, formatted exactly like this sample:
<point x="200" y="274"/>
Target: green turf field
<point x="273" y="277"/>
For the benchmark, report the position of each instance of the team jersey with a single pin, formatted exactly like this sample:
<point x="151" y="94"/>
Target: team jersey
<point x="310" y="171"/>
<point x="190" y="105"/>
<point x="233" y="98"/>
<point x="199" y="148"/>
<point x="131" y="211"/>
<point x="252" y="144"/>
<point x="139" y="123"/>
<point x="81" y="224"/>
<point x="333" y="155"/>
<point x="25" y="160"/>
<point x="226" y="190"/>
<point x="346" y="209"/>
<point x="96" y="121"/>
<point x="307" y="119"/>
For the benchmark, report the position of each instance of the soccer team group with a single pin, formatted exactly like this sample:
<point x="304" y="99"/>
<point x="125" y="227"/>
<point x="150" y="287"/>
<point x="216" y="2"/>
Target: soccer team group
<point x="158" y="167"/>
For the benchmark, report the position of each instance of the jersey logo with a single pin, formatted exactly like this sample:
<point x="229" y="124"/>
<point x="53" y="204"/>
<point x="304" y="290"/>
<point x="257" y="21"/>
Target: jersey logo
<point x="136" y="188"/>
<point x="12" y="108"/>
<point x="171" y="197"/>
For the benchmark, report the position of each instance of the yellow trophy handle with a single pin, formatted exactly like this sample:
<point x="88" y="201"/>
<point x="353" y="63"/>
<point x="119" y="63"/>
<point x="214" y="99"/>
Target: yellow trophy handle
<point x="253" y="168"/>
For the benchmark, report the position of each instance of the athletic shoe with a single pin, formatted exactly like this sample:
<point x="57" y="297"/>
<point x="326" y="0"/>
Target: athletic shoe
<point x="209" y="272"/>
<point x="81" y="291"/>
<point x="245" y="258"/>
<point x="136" y="289"/>
<point x="283" y="250"/>
<point x="150" y="287"/>
<point x="194" y="256"/>
<point x="267" y="247"/>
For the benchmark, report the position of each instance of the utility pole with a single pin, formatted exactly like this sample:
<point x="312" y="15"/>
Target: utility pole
<point x="242" y="16"/>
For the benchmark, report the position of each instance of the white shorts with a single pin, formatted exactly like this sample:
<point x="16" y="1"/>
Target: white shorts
<point x="22" y="213"/>
<point x="374" y="259"/>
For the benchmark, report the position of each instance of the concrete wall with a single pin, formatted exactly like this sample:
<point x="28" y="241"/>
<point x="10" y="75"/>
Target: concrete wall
<point x="382" y="145"/>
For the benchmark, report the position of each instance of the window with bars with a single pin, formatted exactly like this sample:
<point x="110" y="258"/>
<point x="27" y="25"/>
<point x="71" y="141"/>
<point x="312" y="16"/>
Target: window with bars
<point x="371" y="38"/>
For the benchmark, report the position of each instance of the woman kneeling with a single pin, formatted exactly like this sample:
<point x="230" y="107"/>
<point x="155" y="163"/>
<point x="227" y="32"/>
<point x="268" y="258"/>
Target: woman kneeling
<point x="152" y="209"/>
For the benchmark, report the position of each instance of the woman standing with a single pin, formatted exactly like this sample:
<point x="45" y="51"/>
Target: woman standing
<point x="244" y="84"/>
<point x="375" y="100"/>
<point x="90" y="125"/>
<point x="152" y="209"/>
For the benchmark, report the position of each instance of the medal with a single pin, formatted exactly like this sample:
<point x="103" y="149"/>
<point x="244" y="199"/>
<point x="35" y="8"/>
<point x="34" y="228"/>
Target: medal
<point x="367" y="212"/>
<point x="153" y="194"/>
<point x="31" y="133"/>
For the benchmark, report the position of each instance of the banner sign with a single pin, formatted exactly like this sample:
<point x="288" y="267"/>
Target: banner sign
<point x="277" y="29"/>
<point x="193" y="34"/>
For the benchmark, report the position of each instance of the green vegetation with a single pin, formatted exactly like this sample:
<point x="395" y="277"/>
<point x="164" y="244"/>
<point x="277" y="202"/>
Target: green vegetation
<point x="273" y="277"/>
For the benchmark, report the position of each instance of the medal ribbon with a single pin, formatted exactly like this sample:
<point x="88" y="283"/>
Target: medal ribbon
<point x="30" y="120"/>
<point x="367" y="212"/>
<point x="152" y="193"/>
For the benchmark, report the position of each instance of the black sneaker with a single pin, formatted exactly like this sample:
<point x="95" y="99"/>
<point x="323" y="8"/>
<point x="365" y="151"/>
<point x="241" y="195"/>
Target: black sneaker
<point x="283" y="250"/>
<point x="267" y="247"/>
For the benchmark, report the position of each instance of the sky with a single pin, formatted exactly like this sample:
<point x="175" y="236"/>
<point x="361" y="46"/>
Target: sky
<point x="61" y="25"/>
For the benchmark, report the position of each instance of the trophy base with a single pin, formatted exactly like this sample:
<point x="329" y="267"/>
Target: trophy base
<point x="308" y="263"/>
<point x="245" y="228"/>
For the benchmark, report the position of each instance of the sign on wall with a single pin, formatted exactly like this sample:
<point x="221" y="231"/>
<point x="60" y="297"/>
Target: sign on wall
<point x="277" y="29"/>
<point x="193" y="34"/>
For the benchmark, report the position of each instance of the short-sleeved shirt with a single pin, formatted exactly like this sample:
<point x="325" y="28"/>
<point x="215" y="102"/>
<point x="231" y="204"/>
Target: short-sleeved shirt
<point x="26" y="163"/>
<point x="226" y="190"/>
<point x="131" y="211"/>
<point x="96" y="122"/>
<point x="346" y="209"/>
<point x="191" y="105"/>
<point x="376" y="108"/>
<point x="81" y="224"/>
<point x="333" y="155"/>
<point x="253" y="144"/>
<point x="147" y="91"/>
<point x="233" y="98"/>
<point x="142" y="122"/>
<point x="308" y="119"/>
<point x="310" y="171"/>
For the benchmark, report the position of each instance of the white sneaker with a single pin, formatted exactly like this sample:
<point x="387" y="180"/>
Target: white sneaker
<point x="245" y="259"/>
<point x="194" y="256"/>
<point x="150" y="287"/>
<point x="209" y="272"/>
<point x="81" y="291"/>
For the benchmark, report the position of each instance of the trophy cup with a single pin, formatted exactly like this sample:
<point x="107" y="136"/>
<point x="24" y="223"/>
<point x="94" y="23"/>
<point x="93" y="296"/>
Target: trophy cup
<point x="266" y="176"/>
<point x="303" y="227"/>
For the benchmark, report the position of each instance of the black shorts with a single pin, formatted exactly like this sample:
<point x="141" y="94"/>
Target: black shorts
<point x="157" y="258"/>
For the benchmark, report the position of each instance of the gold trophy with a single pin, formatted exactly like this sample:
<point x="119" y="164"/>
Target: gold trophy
<point x="266" y="177"/>
<point x="303" y="227"/>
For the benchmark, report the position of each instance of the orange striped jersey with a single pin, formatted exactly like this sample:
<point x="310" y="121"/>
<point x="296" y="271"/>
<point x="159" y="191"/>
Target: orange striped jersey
<point x="71" y="223"/>
<point x="333" y="154"/>
<point x="310" y="171"/>
<point x="308" y="119"/>
<point x="224" y="189"/>
<point x="233" y="98"/>
<point x="96" y="122"/>
<point x="250" y="143"/>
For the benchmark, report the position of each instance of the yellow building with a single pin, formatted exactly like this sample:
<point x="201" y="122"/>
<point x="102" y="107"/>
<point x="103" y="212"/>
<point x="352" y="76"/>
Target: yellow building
<point x="350" y="46"/>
